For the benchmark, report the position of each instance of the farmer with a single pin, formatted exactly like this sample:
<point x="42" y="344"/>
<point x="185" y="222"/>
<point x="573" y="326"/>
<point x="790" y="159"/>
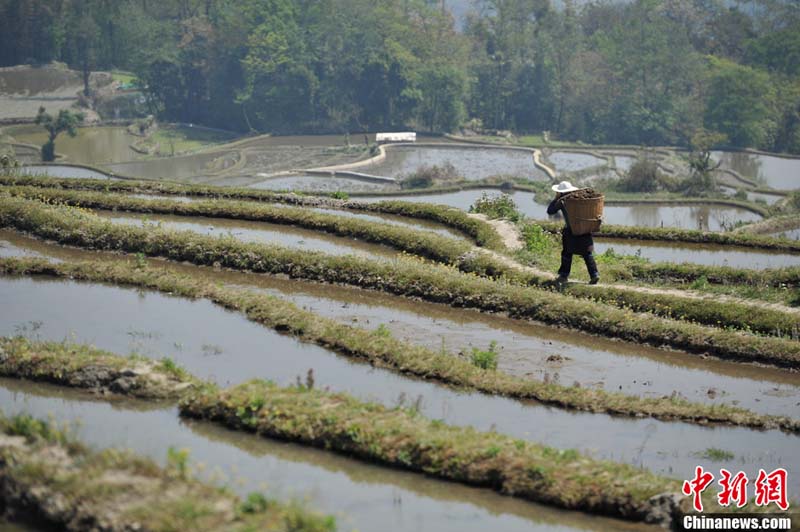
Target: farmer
<point x="582" y="245"/>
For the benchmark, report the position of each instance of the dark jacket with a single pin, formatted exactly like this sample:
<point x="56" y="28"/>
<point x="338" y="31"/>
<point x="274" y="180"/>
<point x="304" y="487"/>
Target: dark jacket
<point x="576" y="245"/>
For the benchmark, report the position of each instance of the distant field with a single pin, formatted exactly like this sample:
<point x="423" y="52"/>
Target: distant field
<point x="24" y="89"/>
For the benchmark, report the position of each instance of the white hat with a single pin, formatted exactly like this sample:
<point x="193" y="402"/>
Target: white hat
<point x="563" y="187"/>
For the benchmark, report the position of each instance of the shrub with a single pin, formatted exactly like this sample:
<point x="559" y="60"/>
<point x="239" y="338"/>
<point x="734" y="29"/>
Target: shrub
<point x="427" y="176"/>
<point x="485" y="358"/>
<point x="537" y="240"/>
<point x="643" y="176"/>
<point x="501" y="206"/>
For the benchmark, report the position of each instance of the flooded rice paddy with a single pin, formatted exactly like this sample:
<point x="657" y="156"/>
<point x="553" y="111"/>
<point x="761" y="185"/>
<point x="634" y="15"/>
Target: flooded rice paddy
<point x="361" y="496"/>
<point x="782" y="173"/>
<point x="222" y="345"/>
<point x="791" y="234"/>
<point x="701" y="217"/>
<point x="195" y="167"/>
<point x="61" y="170"/>
<point x="527" y="349"/>
<point x="92" y="145"/>
<point x="567" y="161"/>
<point x="315" y="183"/>
<point x="256" y="232"/>
<point x="401" y="221"/>
<point x="470" y="162"/>
<point x="707" y="255"/>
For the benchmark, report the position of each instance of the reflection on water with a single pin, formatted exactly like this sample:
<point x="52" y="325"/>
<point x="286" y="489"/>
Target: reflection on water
<point x="92" y="145"/>
<point x="183" y="167"/>
<point x="472" y="163"/>
<point x="768" y="199"/>
<point x="776" y="172"/>
<point x="702" y="217"/>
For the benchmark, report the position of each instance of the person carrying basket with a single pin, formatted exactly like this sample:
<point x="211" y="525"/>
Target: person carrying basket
<point x="574" y="244"/>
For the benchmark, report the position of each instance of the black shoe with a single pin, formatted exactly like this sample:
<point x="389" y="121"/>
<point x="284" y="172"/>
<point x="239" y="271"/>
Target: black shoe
<point x="594" y="280"/>
<point x="561" y="279"/>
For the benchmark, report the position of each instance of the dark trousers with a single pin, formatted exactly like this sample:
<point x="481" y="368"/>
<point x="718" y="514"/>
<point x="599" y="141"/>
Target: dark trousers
<point x="566" y="263"/>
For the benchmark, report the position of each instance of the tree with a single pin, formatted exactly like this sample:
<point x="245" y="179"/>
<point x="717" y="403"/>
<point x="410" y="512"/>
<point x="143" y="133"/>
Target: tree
<point x="701" y="181"/>
<point x="65" y="121"/>
<point x="740" y="103"/>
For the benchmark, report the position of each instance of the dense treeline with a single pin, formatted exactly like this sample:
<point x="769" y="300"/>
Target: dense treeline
<point x="639" y="72"/>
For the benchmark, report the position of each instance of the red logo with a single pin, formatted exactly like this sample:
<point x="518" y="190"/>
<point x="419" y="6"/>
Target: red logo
<point x="696" y="486"/>
<point x="772" y="488"/>
<point x="769" y="488"/>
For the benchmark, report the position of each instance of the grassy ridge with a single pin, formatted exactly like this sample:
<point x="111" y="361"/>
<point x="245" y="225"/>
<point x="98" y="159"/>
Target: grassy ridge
<point x="456" y="219"/>
<point x="80" y="366"/>
<point x="753" y="318"/>
<point x="385" y="351"/>
<point x="750" y="318"/>
<point x="426" y="244"/>
<point x="400" y="438"/>
<point x="48" y="477"/>
<point x="402" y="277"/>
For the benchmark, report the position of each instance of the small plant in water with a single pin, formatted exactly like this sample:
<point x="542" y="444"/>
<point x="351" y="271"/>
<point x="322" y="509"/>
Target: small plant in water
<point x="178" y="459"/>
<point x="485" y="359"/>
<point x="340" y="195"/>
<point x="383" y="331"/>
<point x="141" y="263"/>
<point x="715" y="455"/>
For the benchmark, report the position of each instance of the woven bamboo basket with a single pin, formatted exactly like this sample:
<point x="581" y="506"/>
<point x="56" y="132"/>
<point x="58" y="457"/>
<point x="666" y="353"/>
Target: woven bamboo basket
<point x="584" y="215"/>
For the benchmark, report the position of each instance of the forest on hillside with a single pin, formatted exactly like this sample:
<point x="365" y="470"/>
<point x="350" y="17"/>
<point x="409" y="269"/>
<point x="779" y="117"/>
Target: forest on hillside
<point x="645" y="72"/>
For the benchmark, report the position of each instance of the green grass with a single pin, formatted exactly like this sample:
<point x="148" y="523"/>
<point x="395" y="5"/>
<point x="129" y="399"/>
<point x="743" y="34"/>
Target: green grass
<point x="485" y="358"/>
<point x="126" y="78"/>
<point x="82" y="366"/>
<point x="715" y="455"/>
<point x="173" y="139"/>
<point x="456" y="219"/>
<point x="386" y="351"/>
<point x="124" y="491"/>
<point x="399" y="438"/>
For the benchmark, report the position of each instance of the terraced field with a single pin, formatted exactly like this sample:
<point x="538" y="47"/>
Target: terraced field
<point x="395" y="364"/>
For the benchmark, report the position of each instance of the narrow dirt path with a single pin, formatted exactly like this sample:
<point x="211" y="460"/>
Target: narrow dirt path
<point x="511" y="238"/>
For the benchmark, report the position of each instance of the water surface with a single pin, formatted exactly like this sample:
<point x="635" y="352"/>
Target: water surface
<point x="705" y="254"/>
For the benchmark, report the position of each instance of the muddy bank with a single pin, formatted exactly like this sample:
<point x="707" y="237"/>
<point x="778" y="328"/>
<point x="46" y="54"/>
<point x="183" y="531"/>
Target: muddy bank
<point x="80" y="366"/>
